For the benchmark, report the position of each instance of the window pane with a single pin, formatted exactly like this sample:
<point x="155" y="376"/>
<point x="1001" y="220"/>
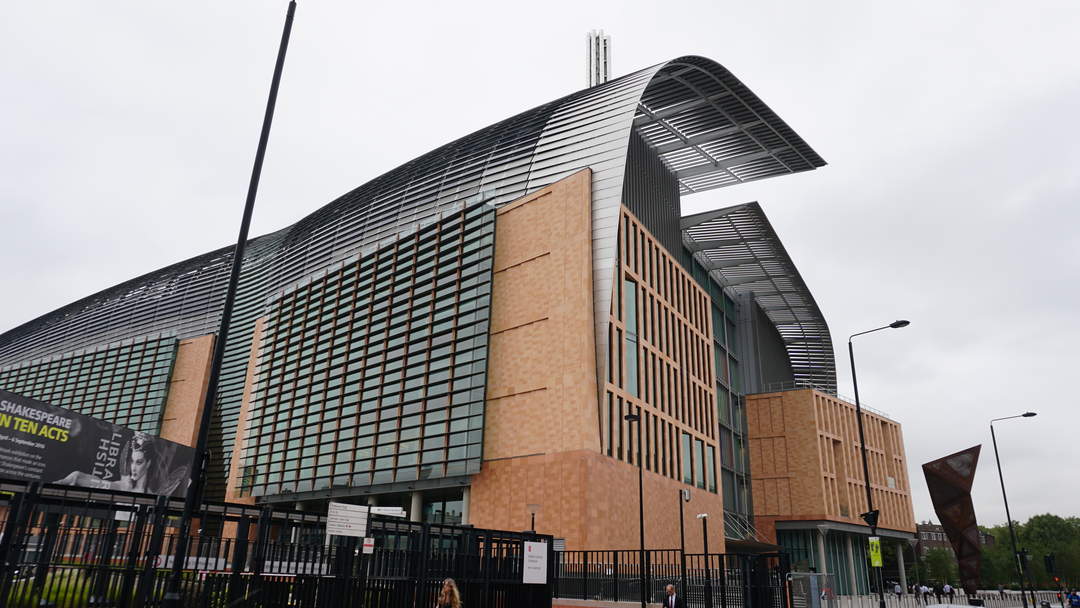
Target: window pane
<point x="687" y="460"/>
<point x="699" y="457"/>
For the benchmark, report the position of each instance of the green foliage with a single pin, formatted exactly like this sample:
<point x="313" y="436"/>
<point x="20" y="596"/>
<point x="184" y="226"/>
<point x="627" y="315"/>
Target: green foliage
<point x="941" y="566"/>
<point x="1040" y="535"/>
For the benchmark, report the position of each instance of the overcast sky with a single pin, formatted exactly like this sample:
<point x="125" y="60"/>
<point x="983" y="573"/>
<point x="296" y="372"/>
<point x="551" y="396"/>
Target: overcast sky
<point x="951" y="129"/>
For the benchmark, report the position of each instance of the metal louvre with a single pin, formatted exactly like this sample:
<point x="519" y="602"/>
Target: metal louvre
<point x="711" y="131"/>
<point x="739" y="248"/>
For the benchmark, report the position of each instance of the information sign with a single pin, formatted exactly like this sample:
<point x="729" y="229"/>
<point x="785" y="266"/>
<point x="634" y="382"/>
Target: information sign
<point x="534" y="571"/>
<point x="344" y="519"/>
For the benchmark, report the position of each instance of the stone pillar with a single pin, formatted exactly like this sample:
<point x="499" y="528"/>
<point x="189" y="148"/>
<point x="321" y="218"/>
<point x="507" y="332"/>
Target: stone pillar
<point x="465" y="506"/>
<point x="823" y="565"/>
<point x="416" y="506"/>
<point x="854" y="586"/>
<point x="900" y="562"/>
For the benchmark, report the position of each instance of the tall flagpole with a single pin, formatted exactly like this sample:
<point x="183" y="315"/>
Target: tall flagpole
<point x="193" y="495"/>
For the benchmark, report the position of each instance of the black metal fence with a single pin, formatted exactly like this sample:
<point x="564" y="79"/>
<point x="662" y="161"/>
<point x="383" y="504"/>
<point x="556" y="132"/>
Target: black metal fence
<point x="66" y="547"/>
<point x="718" y="579"/>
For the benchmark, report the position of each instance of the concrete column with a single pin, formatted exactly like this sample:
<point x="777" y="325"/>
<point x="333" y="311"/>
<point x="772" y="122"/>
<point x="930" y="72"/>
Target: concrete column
<point x="416" y="506"/>
<point x="823" y="565"/>
<point x="465" y="506"/>
<point x="900" y="544"/>
<point x="854" y="586"/>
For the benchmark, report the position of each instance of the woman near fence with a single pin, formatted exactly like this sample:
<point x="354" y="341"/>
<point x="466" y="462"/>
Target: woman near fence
<point x="449" y="597"/>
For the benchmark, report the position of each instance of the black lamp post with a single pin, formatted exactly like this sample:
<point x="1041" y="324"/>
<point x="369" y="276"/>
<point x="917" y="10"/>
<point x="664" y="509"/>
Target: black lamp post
<point x="641" y="502"/>
<point x="1012" y="533"/>
<point x="871" y="515"/>
<point x="684" y="496"/>
<point x="172" y="597"/>
<point x="704" y="517"/>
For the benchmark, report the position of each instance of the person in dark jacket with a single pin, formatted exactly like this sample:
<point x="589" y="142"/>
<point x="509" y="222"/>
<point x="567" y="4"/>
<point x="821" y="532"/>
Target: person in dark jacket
<point x="672" y="599"/>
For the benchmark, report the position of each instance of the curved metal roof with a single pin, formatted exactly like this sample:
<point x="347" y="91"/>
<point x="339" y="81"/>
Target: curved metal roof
<point x="740" y="249"/>
<point x="708" y="128"/>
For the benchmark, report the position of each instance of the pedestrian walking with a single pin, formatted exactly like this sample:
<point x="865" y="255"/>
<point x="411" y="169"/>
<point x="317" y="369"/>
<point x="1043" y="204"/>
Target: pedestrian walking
<point x="672" y="599"/>
<point x="899" y="591"/>
<point x="949" y="591"/>
<point x="1074" y="599"/>
<point x="1001" y="590"/>
<point x="449" y="596"/>
<point x="937" y="592"/>
<point x="925" y="591"/>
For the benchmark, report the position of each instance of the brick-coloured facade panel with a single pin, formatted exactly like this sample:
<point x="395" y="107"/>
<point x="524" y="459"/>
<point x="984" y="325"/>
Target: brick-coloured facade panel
<point x="807" y="440"/>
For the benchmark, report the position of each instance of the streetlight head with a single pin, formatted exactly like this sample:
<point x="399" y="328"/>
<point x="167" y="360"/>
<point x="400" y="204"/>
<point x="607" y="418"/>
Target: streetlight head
<point x="685" y="492"/>
<point x="631" y="417"/>
<point x="1029" y="414"/>
<point x="702" y="515"/>
<point x="899" y="323"/>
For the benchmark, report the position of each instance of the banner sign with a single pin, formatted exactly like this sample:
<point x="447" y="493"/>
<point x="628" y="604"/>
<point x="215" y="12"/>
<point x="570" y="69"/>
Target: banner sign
<point x="534" y="571"/>
<point x="875" y="551"/>
<point x="42" y="442"/>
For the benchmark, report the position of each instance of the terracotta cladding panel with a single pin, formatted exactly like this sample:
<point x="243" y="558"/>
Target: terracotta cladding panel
<point x="521" y="301"/>
<point x="817" y="457"/>
<point x="187" y="390"/>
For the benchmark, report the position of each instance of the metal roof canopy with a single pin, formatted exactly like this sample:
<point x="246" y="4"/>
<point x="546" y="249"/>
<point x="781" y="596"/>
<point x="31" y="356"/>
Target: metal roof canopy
<point x="741" y="251"/>
<point x="711" y="131"/>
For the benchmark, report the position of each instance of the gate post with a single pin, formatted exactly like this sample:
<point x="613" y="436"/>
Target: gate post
<point x="262" y="539"/>
<point x="585" y="575"/>
<point x="135" y="539"/>
<point x="153" y="550"/>
<point x="615" y="575"/>
<point x="239" y="561"/>
<point x="102" y="573"/>
<point x="14" y="531"/>
<point x="52" y="525"/>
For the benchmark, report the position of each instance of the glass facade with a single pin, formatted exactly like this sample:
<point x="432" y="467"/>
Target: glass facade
<point x="374" y="373"/>
<point x="730" y="406"/>
<point x="124" y="383"/>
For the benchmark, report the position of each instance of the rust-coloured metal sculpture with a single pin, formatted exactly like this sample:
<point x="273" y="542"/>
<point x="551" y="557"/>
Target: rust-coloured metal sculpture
<point x="949" y="481"/>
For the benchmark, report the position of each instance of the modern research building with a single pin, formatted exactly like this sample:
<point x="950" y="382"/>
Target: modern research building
<point x="464" y="335"/>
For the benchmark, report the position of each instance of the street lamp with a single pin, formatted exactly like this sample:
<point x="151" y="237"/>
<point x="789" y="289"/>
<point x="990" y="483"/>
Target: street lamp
<point x="684" y="496"/>
<point x="533" y="508"/>
<point x="871" y="515"/>
<point x="704" y="517"/>
<point x="1004" y="497"/>
<point x="641" y="502"/>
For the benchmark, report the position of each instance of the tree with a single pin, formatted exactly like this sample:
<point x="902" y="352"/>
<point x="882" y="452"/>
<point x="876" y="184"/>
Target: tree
<point x="941" y="565"/>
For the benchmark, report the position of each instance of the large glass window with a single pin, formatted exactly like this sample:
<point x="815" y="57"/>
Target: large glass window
<point x="710" y="468"/>
<point x="687" y="459"/>
<point x="630" y="322"/>
<point x="699" y="461"/>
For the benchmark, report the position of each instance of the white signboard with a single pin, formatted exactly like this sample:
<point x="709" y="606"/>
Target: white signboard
<point x="369" y="545"/>
<point x="343" y="519"/>
<point x="391" y="511"/>
<point x="534" y="571"/>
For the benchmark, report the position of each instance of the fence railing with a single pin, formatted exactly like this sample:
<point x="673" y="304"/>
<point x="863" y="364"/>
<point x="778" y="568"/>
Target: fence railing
<point x="67" y="548"/>
<point x="718" y="579"/>
<point x="990" y="599"/>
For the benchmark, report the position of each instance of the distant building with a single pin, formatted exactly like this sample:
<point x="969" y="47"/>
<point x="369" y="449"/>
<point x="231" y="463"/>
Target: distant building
<point x="932" y="536"/>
